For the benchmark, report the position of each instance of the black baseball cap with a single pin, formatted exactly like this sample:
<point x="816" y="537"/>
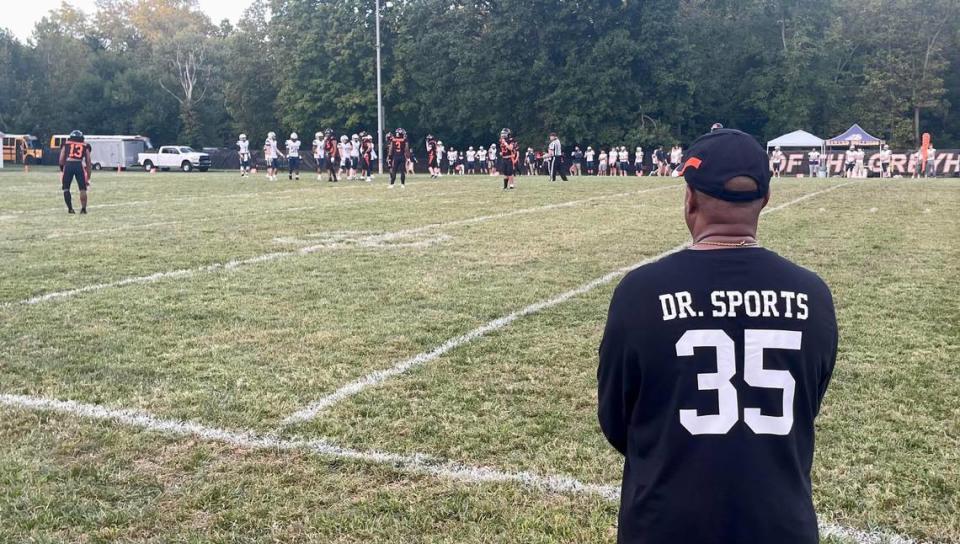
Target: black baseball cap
<point x="721" y="155"/>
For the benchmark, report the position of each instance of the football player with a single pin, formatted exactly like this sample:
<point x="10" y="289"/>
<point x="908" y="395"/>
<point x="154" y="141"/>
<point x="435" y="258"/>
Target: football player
<point x="318" y="153"/>
<point x="471" y="160"/>
<point x="366" y="155"/>
<point x="849" y="161"/>
<point x="508" y="158"/>
<point x="777" y="159"/>
<point x="272" y="155"/>
<point x="433" y="164"/>
<point x="332" y="152"/>
<point x="397" y="157"/>
<point x="293" y="157"/>
<point x="344" y="152"/>
<point x="75" y="164"/>
<point x="355" y="165"/>
<point x="884" y="157"/>
<point x="482" y="160"/>
<point x="243" y="149"/>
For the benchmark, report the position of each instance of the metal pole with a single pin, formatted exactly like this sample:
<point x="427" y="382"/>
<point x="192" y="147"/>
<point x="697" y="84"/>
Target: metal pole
<point x="379" y="99"/>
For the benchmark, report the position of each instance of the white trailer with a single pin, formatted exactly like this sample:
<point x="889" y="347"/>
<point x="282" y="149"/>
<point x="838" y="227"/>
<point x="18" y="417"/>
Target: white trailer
<point x="1" y="151"/>
<point x="115" y="151"/>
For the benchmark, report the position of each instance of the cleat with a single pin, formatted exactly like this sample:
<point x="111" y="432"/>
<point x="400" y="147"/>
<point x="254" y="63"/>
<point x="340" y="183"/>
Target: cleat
<point x="390" y="186"/>
<point x="403" y="185"/>
<point x="83" y="211"/>
<point x="70" y="210"/>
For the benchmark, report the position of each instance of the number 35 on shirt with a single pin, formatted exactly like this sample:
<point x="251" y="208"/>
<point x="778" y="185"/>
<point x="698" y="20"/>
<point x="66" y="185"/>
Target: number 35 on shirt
<point x="756" y="342"/>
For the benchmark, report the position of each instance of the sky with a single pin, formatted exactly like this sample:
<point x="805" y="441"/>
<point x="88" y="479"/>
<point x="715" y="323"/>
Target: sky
<point x="20" y="15"/>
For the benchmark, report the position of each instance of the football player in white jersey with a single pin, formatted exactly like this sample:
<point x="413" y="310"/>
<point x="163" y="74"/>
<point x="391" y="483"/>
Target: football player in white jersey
<point x="777" y="159"/>
<point x="861" y="169"/>
<point x="243" y="150"/>
<point x="849" y="161"/>
<point x="884" y="157"/>
<point x="638" y="162"/>
<point x="471" y="160"/>
<point x="318" y="155"/>
<point x="624" y="158"/>
<point x="344" y="149"/>
<point x="355" y="165"/>
<point x="481" y="160"/>
<point x="452" y="161"/>
<point x="272" y="155"/>
<point x="293" y="156"/>
<point x="676" y="155"/>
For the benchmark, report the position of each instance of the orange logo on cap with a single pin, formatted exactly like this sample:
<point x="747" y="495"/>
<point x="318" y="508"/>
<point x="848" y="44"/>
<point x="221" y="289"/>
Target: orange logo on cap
<point x="692" y="162"/>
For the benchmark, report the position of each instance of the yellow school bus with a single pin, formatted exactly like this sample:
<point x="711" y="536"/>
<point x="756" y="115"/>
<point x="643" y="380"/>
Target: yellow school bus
<point x="22" y="148"/>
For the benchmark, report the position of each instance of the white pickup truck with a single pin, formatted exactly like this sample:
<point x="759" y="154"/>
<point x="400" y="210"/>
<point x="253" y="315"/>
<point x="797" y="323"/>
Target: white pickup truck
<point x="174" y="156"/>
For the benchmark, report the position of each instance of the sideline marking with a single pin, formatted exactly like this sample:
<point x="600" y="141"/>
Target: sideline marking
<point x="420" y="464"/>
<point x="238" y="263"/>
<point x="379" y="376"/>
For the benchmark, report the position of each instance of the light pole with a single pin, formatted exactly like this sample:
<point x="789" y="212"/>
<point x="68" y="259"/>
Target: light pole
<point x="379" y="98"/>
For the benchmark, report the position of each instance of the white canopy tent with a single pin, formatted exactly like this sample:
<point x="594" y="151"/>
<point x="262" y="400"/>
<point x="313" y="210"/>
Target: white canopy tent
<point x="797" y="138"/>
<point x="801" y="139"/>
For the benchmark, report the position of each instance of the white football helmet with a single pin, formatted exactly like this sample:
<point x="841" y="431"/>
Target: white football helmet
<point x="243" y="137"/>
<point x="344" y="138"/>
<point x="271" y="135"/>
<point x="293" y="135"/>
<point x="318" y="135"/>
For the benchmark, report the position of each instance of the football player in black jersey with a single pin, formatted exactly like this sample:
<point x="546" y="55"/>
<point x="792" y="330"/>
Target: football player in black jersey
<point x="713" y="365"/>
<point x="397" y="157"/>
<point x="75" y="164"/>
<point x="509" y="155"/>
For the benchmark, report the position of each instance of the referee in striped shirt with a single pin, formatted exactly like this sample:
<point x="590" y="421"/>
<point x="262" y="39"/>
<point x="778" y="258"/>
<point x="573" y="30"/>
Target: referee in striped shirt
<point x="555" y="152"/>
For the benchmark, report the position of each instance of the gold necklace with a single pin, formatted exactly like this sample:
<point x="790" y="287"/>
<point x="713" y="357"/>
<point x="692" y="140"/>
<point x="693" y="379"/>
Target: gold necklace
<point x="741" y="243"/>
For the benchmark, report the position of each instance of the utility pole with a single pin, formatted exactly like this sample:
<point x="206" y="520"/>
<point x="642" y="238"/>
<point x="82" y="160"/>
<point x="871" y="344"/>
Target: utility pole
<point x="380" y="157"/>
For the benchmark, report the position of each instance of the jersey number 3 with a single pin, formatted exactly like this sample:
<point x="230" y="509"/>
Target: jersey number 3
<point x="755" y="341"/>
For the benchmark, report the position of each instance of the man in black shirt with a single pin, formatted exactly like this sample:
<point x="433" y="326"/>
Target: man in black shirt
<point x="713" y="365"/>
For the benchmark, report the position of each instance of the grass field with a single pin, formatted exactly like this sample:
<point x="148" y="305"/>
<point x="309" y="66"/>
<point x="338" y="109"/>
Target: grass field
<point x="188" y="317"/>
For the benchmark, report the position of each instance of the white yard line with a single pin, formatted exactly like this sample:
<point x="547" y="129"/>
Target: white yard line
<point x="307" y="250"/>
<point x="420" y="464"/>
<point x="379" y="376"/>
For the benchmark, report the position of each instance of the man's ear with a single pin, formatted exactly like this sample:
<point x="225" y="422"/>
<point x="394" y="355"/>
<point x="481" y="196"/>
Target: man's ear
<point x="766" y="200"/>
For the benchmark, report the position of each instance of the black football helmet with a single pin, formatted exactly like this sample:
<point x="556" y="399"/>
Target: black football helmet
<point x="506" y="133"/>
<point x="76" y="136"/>
<point x="400" y="132"/>
<point x="328" y="133"/>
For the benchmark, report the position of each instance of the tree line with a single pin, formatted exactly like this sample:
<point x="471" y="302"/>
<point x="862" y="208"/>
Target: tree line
<point x="595" y="71"/>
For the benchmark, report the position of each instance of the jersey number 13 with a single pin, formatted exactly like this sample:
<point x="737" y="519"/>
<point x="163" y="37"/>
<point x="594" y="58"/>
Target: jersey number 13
<point x="754" y="374"/>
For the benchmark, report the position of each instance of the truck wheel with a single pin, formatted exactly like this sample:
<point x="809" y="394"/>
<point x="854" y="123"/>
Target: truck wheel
<point x="186" y="166"/>
<point x="147" y="166"/>
<point x="96" y="166"/>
